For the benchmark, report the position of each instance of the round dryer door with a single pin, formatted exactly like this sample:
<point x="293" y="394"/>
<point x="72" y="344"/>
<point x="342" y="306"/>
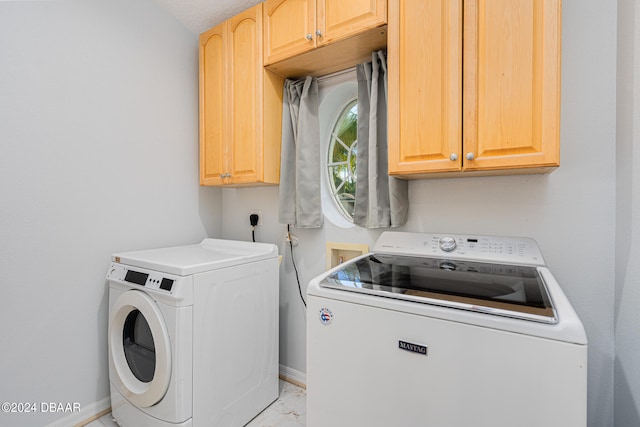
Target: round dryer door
<point x="140" y="349"/>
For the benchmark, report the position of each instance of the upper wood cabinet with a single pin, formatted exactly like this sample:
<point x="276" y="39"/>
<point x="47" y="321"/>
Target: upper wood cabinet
<point x="293" y="27"/>
<point x="497" y="112"/>
<point x="511" y="80"/>
<point x="289" y="28"/>
<point x="338" y="19"/>
<point x="240" y="105"/>
<point x="425" y="85"/>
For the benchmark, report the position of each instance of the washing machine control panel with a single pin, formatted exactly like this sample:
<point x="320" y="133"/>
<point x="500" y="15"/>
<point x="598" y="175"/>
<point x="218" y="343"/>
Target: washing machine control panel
<point x="147" y="279"/>
<point x="496" y="249"/>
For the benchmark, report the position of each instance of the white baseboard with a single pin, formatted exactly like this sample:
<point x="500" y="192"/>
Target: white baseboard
<point x="90" y="412"/>
<point x="293" y="376"/>
<point x="86" y="414"/>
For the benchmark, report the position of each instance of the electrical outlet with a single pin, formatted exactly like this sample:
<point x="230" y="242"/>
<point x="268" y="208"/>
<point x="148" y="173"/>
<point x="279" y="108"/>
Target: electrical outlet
<point x="259" y="213"/>
<point x="289" y="237"/>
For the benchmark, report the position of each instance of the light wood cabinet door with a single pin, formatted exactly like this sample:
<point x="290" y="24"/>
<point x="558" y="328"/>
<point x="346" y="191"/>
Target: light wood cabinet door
<point x="244" y="40"/>
<point x="213" y="106"/>
<point x="511" y="84"/>
<point x="240" y="105"/>
<point x="289" y="28"/>
<point x="425" y="79"/>
<point x="498" y="114"/>
<point x="293" y="27"/>
<point x="338" y="19"/>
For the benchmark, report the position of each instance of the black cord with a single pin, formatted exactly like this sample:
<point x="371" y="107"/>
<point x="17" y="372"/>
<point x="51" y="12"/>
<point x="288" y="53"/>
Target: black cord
<point x="293" y="261"/>
<point x="253" y="220"/>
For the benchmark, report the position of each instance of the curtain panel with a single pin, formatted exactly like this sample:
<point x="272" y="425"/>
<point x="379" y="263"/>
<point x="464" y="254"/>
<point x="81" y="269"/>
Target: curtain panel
<point x="299" y="197"/>
<point x="381" y="201"/>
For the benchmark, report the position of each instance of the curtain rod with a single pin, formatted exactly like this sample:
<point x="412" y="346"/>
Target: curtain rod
<point x="336" y="74"/>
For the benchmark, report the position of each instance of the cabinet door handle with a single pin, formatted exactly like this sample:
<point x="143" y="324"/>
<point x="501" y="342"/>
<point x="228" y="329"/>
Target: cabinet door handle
<point x="453" y="157"/>
<point x="309" y="37"/>
<point x="470" y="156"/>
<point x="225" y="175"/>
<point x="318" y="33"/>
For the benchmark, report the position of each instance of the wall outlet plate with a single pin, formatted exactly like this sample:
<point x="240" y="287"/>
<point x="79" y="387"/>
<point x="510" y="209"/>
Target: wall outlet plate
<point x="291" y="238"/>
<point x="257" y="212"/>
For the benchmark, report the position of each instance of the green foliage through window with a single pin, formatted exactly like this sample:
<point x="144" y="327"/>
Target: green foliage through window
<point x="341" y="164"/>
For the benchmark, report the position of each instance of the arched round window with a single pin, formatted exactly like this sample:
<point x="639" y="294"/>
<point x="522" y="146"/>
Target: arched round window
<point x="341" y="161"/>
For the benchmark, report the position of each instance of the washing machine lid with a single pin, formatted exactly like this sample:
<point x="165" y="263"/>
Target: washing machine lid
<point x="507" y="290"/>
<point x="210" y="254"/>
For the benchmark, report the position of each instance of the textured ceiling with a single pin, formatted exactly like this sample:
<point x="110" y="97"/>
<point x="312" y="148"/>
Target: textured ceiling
<point x="200" y="15"/>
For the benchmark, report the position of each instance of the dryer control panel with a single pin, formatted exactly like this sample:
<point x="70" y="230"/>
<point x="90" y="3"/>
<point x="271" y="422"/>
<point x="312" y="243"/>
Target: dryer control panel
<point x="147" y="279"/>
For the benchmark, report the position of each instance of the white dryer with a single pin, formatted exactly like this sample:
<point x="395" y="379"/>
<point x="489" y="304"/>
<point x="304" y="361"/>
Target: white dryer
<point x="193" y="334"/>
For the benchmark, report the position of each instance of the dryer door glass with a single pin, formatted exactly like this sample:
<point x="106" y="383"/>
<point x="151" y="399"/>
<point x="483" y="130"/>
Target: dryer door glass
<point x="139" y="348"/>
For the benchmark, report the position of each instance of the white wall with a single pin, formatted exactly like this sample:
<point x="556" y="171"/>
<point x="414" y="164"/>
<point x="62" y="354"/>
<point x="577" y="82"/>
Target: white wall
<point x="98" y="138"/>
<point x="309" y="255"/>
<point x="571" y="212"/>
<point x="627" y="363"/>
<point x="98" y="130"/>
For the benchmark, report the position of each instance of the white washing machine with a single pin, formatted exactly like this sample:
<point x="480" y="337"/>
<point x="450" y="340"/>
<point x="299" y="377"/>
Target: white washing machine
<point x="193" y="334"/>
<point x="447" y="331"/>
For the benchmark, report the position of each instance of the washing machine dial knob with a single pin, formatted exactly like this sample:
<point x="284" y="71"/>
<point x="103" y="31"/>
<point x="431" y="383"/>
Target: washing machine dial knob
<point x="447" y="243"/>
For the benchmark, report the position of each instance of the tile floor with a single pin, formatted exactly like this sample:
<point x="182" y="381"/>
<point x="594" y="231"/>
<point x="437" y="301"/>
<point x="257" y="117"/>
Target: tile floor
<point x="288" y="411"/>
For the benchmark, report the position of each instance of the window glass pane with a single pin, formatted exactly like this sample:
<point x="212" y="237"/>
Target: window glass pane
<point x="339" y="174"/>
<point x="342" y="158"/>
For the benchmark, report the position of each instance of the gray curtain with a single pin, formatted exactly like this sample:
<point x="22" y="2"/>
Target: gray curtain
<point x="300" y="200"/>
<point x="381" y="200"/>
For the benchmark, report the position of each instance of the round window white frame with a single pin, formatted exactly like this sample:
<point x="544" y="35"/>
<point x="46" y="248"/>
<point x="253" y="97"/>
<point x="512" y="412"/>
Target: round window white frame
<point x="335" y="94"/>
<point x="137" y="392"/>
